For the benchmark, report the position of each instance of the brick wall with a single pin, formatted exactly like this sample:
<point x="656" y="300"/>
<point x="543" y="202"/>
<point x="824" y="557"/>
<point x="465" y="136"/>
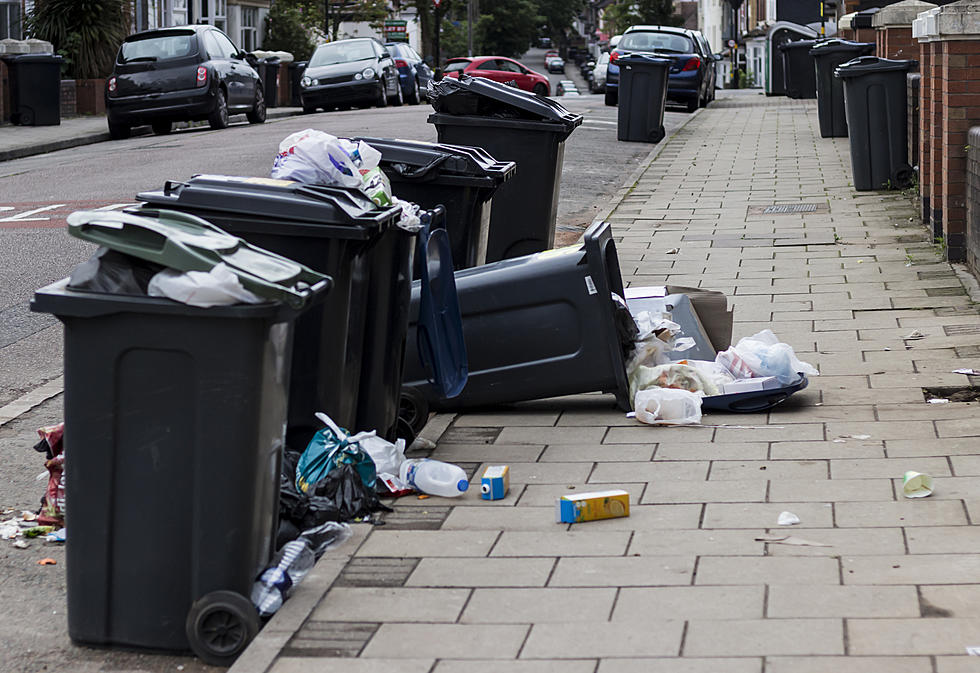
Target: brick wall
<point x="865" y="35"/>
<point x="935" y="141"/>
<point x="913" y="118"/>
<point x="973" y="201"/>
<point x="68" y="100"/>
<point x="896" y="42"/>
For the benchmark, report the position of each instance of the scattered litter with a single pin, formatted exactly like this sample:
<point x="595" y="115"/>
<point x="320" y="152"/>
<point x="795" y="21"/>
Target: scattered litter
<point x="59" y="535"/>
<point x="21" y="544"/>
<point x="840" y="441"/>
<point x="818" y="404"/>
<point x="787" y="519"/>
<point x="672" y="251"/>
<point x="913" y="335"/>
<point x="47" y="562"/>
<point x="973" y="650"/>
<point x="422" y="444"/>
<point x="9" y="530"/>
<point x="916" y="485"/>
<point x="434" y="477"/>
<point x="592" y="506"/>
<point x="846" y="437"/>
<point x="886" y="348"/>
<point x="791" y="540"/>
<point x="38" y="531"/>
<point x="495" y="482"/>
<point x="28" y="516"/>
<point x="667" y="406"/>
<point x="938" y="400"/>
<point x="396" y="487"/>
<point x="53" y="500"/>
<point x="860" y="261"/>
<point x="969" y="372"/>
<point x="423" y="496"/>
<point x="744" y="427"/>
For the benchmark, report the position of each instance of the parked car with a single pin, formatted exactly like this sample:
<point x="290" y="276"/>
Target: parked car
<point x="691" y="79"/>
<point x="413" y="73"/>
<point x="566" y="87"/>
<point x="598" y="82"/>
<point x="184" y="73"/>
<point x="499" y="69"/>
<point x="556" y="64"/>
<point x="359" y="71"/>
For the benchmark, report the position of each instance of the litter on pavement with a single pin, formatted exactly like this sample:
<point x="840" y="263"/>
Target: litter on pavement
<point x="592" y="506"/>
<point x="916" y="485"/>
<point x="787" y="519"/>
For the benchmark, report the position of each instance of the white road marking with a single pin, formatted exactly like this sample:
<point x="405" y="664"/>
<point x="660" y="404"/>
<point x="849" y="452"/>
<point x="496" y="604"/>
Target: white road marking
<point x="24" y="217"/>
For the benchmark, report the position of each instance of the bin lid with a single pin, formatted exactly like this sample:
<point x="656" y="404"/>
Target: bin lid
<point x="331" y="212"/>
<point x="836" y="45"/>
<point x="484" y="97"/>
<point x="797" y="44"/>
<point x="414" y="160"/>
<point x="31" y="58"/>
<point x="644" y="59"/>
<point x="864" y="65"/>
<point x="188" y="243"/>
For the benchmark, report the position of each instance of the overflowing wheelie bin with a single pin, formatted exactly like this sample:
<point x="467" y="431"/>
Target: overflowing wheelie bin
<point x="512" y="125"/>
<point x="174" y="419"/>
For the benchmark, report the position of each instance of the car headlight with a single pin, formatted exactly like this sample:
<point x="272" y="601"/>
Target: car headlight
<point x="358" y="76"/>
<point x="306" y="81"/>
<point x="368" y="73"/>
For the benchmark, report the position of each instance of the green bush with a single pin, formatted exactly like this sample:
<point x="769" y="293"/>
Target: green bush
<point x="285" y="30"/>
<point x="86" y="32"/>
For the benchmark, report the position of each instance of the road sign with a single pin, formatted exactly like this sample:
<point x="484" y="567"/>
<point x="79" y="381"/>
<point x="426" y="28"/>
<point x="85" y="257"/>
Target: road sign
<point x="732" y="44"/>
<point x="396" y="30"/>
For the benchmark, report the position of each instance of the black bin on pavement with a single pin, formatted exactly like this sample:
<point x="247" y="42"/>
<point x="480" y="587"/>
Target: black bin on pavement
<point x="830" y="93"/>
<point x="35" y="89"/>
<point x="536" y="326"/>
<point x="529" y="130"/>
<point x="174" y="416"/>
<point x="269" y="74"/>
<point x="463" y="179"/>
<point x="642" y="98"/>
<point x="876" y="96"/>
<point x="799" y="73"/>
<point x="295" y="75"/>
<point x="341" y="233"/>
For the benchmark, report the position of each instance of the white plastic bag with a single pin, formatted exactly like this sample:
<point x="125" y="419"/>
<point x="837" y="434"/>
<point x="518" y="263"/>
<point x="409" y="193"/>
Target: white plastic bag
<point x="762" y="354"/>
<point x="667" y="406"/>
<point x="387" y="457"/>
<point x="315" y="157"/>
<point x="217" y="287"/>
<point x="672" y="375"/>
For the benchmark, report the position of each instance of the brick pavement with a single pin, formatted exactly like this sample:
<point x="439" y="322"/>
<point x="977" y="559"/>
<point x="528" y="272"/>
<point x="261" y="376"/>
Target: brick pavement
<point x="682" y="585"/>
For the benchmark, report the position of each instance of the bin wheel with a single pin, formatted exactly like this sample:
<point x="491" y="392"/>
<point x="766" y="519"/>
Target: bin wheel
<point x="612" y="97"/>
<point x="119" y="131"/>
<point x="218" y="119"/>
<point x="162" y="128"/>
<point x="220" y="625"/>
<point x="903" y="176"/>
<point x="413" y="413"/>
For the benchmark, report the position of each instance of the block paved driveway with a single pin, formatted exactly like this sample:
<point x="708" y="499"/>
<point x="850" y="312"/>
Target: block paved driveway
<point x="683" y="585"/>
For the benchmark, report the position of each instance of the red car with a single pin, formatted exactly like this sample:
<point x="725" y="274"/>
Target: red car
<point x="499" y="69"/>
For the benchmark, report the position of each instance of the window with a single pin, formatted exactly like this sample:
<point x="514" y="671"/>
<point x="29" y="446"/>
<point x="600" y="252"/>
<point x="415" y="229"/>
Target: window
<point x="158" y="48"/>
<point x="179" y="13"/>
<point x="669" y="42"/>
<point x="507" y="66"/>
<point x="220" y="13"/>
<point x="10" y="25"/>
<point x="228" y="48"/>
<point x="250" y="20"/>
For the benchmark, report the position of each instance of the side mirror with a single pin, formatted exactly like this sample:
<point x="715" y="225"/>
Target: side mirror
<point x="718" y="57"/>
<point x="385" y="54"/>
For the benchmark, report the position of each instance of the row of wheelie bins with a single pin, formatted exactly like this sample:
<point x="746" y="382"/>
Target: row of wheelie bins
<point x="176" y="417"/>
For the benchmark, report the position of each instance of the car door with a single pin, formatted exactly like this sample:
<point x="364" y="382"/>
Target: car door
<point x="386" y="66"/>
<point x="423" y="72"/>
<point x="222" y="64"/>
<point x="246" y="78"/>
<point x="514" y="72"/>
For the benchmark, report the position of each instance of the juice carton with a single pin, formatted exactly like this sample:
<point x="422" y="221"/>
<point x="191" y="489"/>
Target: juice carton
<point x="495" y="482"/>
<point x="592" y="506"/>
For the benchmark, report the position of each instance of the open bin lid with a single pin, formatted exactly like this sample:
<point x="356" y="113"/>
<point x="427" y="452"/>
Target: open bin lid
<point x="484" y="97"/>
<point x="866" y="65"/>
<point x="188" y="243"/>
<point x="414" y="160"/>
<point x="319" y="210"/>
<point x="836" y="45"/>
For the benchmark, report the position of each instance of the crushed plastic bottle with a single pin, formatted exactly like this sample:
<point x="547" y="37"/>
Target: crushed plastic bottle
<point x="434" y="477"/>
<point x="292" y="564"/>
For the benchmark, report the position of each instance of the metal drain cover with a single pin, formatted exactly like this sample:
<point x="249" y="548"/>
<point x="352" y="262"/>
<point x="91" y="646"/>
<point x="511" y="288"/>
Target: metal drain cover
<point x="790" y="208"/>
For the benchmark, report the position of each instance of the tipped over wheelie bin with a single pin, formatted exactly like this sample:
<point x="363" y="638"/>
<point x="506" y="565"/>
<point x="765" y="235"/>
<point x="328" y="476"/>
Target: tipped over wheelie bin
<point x="830" y="93"/>
<point x="174" y="419"/>
<point x="342" y="233"/>
<point x="463" y="179"/>
<point x="512" y="125"/>
<point x="642" y="98"/>
<point x="536" y="326"/>
<point x="799" y="72"/>
<point x="876" y="97"/>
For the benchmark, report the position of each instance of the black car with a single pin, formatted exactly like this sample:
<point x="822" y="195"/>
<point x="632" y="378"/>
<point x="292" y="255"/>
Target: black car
<point x="691" y="80"/>
<point x="350" y="72"/>
<point x="413" y="73"/>
<point x="185" y="73"/>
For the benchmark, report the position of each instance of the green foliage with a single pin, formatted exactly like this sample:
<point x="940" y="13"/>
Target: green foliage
<point x="746" y="80"/>
<point x="86" y="32"/>
<point x="558" y="15"/>
<point x="454" y="40"/>
<point x="625" y="13"/>
<point x="373" y="12"/>
<point x="287" y="28"/>
<point x="511" y="26"/>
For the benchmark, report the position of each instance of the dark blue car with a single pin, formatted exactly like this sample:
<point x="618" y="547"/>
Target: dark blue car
<point x="691" y="81"/>
<point x="413" y="73"/>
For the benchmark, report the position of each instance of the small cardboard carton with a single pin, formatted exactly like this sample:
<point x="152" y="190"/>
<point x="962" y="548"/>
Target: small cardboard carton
<point x="592" y="506"/>
<point x="495" y="482"/>
<point x="751" y="385"/>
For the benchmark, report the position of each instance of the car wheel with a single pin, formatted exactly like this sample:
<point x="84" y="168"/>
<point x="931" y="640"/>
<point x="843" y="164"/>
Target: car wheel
<point x="414" y="96"/>
<point x="257" y="114"/>
<point x="382" y="99"/>
<point x="612" y="96"/>
<point x="119" y="131"/>
<point x="399" y="97"/>
<point x="162" y="128"/>
<point x="218" y="119"/>
<point x="309" y="109"/>
<point x="540" y="89"/>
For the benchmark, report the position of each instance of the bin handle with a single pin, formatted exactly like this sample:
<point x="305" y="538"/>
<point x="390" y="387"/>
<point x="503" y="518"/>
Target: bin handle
<point x="404" y="171"/>
<point x="170" y="186"/>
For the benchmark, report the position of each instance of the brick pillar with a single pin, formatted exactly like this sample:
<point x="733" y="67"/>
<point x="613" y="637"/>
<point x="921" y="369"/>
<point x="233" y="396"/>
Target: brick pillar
<point x="936" y="131"/>
<point x="925" y="130"/>
<point x="893" y="25"/>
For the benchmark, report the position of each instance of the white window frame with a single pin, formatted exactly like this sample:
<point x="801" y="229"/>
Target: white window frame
<point x="249" y="28"/>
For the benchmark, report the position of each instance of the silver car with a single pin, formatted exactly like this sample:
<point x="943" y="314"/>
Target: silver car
<point x="598" y="82"/>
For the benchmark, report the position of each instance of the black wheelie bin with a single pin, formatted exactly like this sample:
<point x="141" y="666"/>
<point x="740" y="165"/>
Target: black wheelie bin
<point x="642" y="98"/>
<point x="512" y="125"/>
<point x="876" y="97"/>
<point x="336" y="231"/>
<point x="268" y="69"/>
<point x="463" y="179"/>
<point x="536" y="326"/>
<point x="830" y="93"/>
<point x="174" y="419"/>
<point x="35" y="89"/>
<point x="799" y="72"/>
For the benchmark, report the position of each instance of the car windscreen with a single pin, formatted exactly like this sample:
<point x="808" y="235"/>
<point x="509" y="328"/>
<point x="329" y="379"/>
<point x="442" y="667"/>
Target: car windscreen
<point x="341" y="52"/>
<point x="158" y="47"/>
<point x="456" y="66"/>
<point x="668" y="42"/>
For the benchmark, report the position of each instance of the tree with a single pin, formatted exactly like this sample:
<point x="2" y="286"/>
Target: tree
<point x="373" y="12"/>
<point x="625" y="13"/>
<point x="511" y="26"/>
<point x="86" y="32"/>
<point x="558" y="16"/>
<point x="287" y="28"/>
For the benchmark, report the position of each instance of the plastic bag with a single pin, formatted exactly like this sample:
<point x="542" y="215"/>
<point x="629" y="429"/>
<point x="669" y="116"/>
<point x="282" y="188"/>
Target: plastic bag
<point x="387" y="457"/>
<point x="673" y="375"/>
<point x="667" y="406"/>
<point x="217" y="287"/>
<point x="717" y="375"/>
<point x="332" y="447"/>
<point x="114" y="273"/>
<point x="762" y="354"/>
<point x="327" y="535"/>
<point x="341" y="496"/>
<point x="53" y="501"/>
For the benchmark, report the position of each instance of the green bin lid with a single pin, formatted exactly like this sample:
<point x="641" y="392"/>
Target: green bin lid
<point x="188" y="243"/>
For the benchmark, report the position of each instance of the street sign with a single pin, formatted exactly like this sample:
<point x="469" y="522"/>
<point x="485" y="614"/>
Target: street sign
<point x="732" y="43"/>
<point x="436" y="2"/>
<point x="396" y="30"/>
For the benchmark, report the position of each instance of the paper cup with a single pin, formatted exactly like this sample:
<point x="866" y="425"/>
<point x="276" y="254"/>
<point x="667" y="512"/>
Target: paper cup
<point x="916" y="485"/>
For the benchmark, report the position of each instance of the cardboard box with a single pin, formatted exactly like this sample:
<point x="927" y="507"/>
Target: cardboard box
<point x="495" y="482"/>
<point x="751" y="385"/>
<point x="592" y="506"/>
